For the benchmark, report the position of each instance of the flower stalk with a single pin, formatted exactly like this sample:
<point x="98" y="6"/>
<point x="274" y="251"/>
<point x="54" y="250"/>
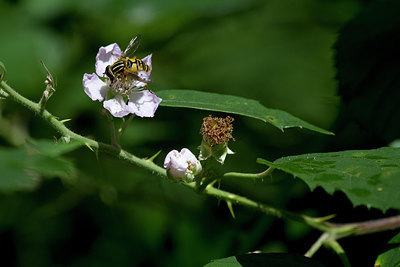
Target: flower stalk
<point x="249" y="175"/>
<point x="123" y="126"/>
<point x="114" y="139"/>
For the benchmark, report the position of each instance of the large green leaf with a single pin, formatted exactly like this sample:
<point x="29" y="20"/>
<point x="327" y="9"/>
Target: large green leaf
<point x="391" y="256"/>
<point x="367" y="177"/>
<point x="264" y="259"/>
<point x="235" y="105"/>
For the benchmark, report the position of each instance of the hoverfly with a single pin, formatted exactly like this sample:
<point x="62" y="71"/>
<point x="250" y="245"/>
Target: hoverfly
<point x="127" y="66"/>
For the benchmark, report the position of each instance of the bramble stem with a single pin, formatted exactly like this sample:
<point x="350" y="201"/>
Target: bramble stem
<point x="331" y="231"/>
<point x="367" y="227"/>
<point x="149" y="165"/>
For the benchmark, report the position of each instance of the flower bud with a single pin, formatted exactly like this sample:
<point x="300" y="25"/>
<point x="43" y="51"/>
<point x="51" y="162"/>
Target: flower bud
<point x="182" y="166"/>
<point x="216" y="133"/>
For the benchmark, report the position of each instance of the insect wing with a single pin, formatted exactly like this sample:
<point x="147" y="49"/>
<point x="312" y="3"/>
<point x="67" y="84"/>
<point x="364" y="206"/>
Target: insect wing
<point x="132" y="46"/>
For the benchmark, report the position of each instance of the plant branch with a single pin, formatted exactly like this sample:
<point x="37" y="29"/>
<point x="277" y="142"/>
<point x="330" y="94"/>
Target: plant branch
<point x="331" y="231"/>
<point x="367" y="227"/>
<point x="335" y="246"/>
<point x="314" y="248"/>
<point x="249" y="175"/>
<point x="149" y="165"/>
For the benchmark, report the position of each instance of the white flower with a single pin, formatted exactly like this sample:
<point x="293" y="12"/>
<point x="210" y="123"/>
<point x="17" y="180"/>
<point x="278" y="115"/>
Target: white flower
<point x="128" y="97"/>
<point x="182" y="165"/>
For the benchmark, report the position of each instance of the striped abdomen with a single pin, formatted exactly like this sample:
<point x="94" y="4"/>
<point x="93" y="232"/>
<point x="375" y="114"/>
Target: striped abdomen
<point x="135" y="65"/>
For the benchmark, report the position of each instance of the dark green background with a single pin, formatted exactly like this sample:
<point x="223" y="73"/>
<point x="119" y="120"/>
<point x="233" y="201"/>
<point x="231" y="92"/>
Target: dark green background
<point x="279" y="52"/>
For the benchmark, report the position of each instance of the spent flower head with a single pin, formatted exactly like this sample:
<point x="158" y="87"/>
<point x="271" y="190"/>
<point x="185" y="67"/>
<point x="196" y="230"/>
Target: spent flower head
<point x="216" y="134"/>
<point x="124" y="96"/>
<point x="182" y="166"/>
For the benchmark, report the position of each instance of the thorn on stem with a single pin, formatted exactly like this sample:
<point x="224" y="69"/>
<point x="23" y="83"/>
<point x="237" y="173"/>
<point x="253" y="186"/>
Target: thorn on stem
<point x="229" y="204"/>
<point x="151" y="159"/>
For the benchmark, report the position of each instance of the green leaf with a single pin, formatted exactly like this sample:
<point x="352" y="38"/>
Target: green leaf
<point x="391" y="256"/>
<point x="367" y="177"/>
<point x="53" y="166"/>
<point x="264" y="259"/>
<point x="50" y="148"/>
<point x="15" y="174"/>
<point x="235" y="105"/>
<point x="22" y="168"/>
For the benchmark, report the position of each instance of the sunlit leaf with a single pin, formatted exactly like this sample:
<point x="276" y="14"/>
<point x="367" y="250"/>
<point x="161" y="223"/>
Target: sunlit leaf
<point x="234" y="105"/>
<point x="264" y="259"/>
<point x="391" y="255"/>
<point x="367" y="177"/>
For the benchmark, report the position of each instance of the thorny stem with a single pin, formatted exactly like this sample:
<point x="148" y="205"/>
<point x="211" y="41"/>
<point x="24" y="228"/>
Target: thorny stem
<point x="332" y="231"/>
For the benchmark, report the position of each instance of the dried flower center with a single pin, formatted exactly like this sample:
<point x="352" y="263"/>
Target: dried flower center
<point x="217" y="131"/>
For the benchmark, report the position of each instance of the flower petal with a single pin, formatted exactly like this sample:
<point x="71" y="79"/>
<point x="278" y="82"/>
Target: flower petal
<point x="147" y="61"/>
<point x="182" y="166"/>
<point x="94" y="87"/>
<point x="143" y="103"/>
<point x="175" y="164"/>
<point x="106" y="56"/>
<point x="117" y="107"/>
<point x="188" y="155"/>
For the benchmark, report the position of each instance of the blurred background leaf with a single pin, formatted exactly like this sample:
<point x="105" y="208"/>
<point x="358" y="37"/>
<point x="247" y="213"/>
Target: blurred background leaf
<point x="368" y="62"/>
<point x="21" y="168"/>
